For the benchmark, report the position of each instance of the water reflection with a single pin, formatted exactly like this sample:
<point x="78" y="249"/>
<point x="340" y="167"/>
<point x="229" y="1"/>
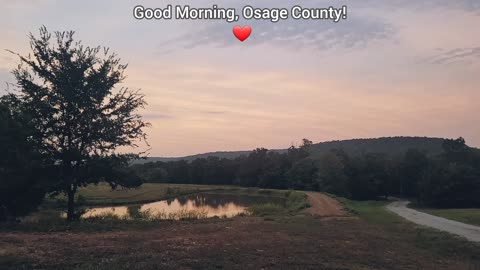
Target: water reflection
<point x="208" y="205"/>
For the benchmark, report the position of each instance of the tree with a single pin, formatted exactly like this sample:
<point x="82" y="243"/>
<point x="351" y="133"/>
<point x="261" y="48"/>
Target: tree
<point x="369" y="176"/>
<point x="274" y="171"/>
<point x="331" y="176"/>
<point x="252" y="167"/>
<point x="295" y="154"/>
<point x="412" y="170"/>
<point x="456" y="150"/>
<point x="22" y="174"/>
<point x="79" y="116"/>
<point x="302" y="174"/>
<point x="453" y="180"/>
<point x="451" y="185"/>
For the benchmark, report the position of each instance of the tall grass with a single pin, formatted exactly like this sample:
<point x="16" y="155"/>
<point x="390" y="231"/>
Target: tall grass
<point x="149" y="216"/>
<point x="295" y="201"/>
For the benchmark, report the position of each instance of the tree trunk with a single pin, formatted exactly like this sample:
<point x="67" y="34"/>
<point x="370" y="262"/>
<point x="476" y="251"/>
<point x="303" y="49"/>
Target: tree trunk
<point x="71" y="205"/>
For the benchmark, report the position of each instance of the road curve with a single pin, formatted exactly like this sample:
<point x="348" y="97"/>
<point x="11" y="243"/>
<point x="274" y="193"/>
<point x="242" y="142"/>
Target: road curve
<point x="467" y="231"/>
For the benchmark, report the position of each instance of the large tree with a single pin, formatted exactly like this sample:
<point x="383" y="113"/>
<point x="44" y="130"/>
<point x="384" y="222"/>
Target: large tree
<point x="79" y="115"/>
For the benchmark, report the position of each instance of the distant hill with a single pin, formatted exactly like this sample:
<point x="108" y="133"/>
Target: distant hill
<point x="390" y="145"/>
<point x="220" y="154"/>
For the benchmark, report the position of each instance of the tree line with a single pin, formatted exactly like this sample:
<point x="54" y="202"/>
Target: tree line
<point x="449" y="179"/>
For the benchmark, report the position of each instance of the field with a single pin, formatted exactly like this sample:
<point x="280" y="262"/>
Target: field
<point x="363" y="236"/>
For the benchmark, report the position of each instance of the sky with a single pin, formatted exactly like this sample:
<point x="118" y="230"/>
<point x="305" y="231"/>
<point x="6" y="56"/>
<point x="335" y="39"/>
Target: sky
<point x="392" y="68"/>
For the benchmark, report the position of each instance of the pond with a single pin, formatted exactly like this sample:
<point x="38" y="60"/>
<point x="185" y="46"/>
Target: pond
<point x="202" y="205"/>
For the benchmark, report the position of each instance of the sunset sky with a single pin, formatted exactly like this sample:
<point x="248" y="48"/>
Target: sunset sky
<point x="393" y="68"/>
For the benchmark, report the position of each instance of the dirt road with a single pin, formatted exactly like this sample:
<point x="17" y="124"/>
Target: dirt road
<point x="467" y="231"/>
<point x="324" y="206"/>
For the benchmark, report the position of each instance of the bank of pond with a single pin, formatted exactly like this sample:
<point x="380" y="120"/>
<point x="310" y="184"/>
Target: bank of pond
<point x="202" y="205"/>
<point x="175" y="202"/>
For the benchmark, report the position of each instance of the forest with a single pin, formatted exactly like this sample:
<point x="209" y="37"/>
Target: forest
<point x="450" y="178"/>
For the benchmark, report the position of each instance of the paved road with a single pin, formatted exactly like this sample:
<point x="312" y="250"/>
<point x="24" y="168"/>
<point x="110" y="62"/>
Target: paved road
<point x="467" y="231"/>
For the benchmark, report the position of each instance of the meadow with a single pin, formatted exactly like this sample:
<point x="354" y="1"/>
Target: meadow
<point x="271" y="236"/>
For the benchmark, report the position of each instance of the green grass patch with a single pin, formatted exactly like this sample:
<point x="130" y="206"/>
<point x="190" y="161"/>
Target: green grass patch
<point x="266" y="209"/>
<point x="469" y="216"/>
<point x="372" y="211"/>
<point x="295" y="201"/>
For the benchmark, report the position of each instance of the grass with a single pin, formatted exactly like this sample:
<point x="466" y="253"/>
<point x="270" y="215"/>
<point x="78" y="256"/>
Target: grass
<point x="266" y="209"/>
<point x="149" y="216"/>
<point x="105" y="222"/>
<point x="295" y="201"/>
<point x="377" y="240"/>
<point x="10" y="262"/>
<point x="440" y="243"/>
<point x="48" y="219"/>
<point x="103" y="195"/>
<point x="469" y="216"/>
<point x="372" y="211"/>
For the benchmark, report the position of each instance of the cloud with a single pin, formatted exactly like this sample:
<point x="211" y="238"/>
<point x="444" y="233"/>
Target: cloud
<point x="300" y="34"/>
<point x="465" y="5"/>
<point x="5" y="77"/>
<point x="356" y="31"/>
<point x="215" y="112"/>
<point x="153" y="116"/>
<point x="4" y="74"/>
<point x="456" y="55"/>
<point x="367" y="21"/>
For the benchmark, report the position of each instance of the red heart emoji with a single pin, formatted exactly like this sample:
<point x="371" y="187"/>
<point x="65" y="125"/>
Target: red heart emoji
<point x="242" y="33"/>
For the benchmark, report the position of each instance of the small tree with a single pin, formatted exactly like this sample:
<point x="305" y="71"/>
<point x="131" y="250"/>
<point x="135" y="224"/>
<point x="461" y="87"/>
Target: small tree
<point x="79" y="115"/>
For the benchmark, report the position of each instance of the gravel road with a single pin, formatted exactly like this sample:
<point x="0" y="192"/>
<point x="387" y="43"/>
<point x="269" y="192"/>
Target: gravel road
<point x="467" y="231"/>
